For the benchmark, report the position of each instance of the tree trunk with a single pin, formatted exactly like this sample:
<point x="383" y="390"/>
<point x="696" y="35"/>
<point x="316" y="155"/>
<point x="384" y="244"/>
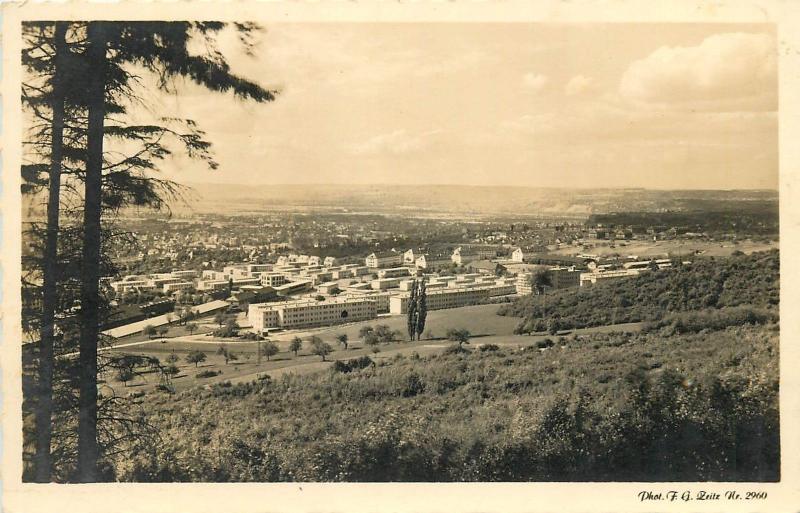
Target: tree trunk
<point x="88" y="449"/>
<point x="44" y="423"/>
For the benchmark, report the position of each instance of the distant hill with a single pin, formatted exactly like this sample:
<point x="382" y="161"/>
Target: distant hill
<point x="576" y="203"/>
<point x="458" y="198"/>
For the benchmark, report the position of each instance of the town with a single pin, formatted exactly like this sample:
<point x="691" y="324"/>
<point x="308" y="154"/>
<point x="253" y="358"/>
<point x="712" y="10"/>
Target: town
<point x="301" y="291"/>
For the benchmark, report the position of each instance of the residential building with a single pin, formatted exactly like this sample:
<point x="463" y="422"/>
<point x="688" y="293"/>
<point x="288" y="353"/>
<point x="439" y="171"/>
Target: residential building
<point x="273" y="279"/>
<point x="518" y="255"/>
<point x="384" y="259"/>
<point x="329" y="287"/>
<point x="381" y="298"/>
<point x="294" y="287"/>
<point x="394" y="272"/>
<point x="174" y="287"/>
<point x="340" y="274"/>
<point x="441" y="299"/>
<point x="430" y="261"/>
<point x="592" y="278"/>
<point x="564" y="277"/>
<point x="308" y="313"/>
<point x="209" y="285"/>
<point x="385" y="283"/>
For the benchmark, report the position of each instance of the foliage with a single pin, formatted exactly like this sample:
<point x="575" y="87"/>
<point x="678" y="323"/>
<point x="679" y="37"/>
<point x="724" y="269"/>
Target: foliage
<point x="608" y="407"/>
<point x="461" y="336"/>
<point x="352" y="365"/>
<point x="320" y="348"/>
<point x="228" y="355"/>
<point x="296" y="345"/>
<point x="706" y="283"/>
<point x="710" y="319"/>
<point x="269" y="349"/>
<point x="195" y="357"/>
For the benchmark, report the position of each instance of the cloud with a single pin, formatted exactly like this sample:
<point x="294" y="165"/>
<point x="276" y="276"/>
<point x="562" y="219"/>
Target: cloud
<point x="613" y="125"/>
<point x="397" y="142"/>
<point x="578" y="85"/>
<point x="534" y="82"/>
<point x="731" y="71"/>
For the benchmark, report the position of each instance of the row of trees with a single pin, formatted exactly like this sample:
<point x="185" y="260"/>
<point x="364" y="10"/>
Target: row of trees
<point x="89" y="159"/>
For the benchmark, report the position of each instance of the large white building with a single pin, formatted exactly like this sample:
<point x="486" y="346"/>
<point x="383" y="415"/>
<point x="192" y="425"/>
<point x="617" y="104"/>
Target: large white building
<point x="385" y="259"/>
<point x="174" y="287"/>
<point x="394" y="272"/>
<point x="428" y="261"/>
<point x="442" y="298"/>
<point x="273" y="279"/>
<point x="309" y="313"/>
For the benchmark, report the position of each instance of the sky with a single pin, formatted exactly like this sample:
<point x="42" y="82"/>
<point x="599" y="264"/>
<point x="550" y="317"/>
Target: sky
<point x="675" y="106"/>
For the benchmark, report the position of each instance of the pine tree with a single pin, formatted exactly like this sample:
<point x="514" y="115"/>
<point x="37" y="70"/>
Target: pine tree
<point x="88" y="449"/>
<point x="44" y="425"/>
<point x="161" y="47"/>
<point x="107" y="47"/>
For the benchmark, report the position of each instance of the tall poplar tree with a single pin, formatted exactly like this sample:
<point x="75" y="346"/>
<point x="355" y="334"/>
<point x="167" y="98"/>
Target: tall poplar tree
<point x="422" y="308"/>
<point x="412" y="311"/>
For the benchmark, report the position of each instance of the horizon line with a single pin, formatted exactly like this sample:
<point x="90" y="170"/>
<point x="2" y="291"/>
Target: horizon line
<point x="396" y="184"/>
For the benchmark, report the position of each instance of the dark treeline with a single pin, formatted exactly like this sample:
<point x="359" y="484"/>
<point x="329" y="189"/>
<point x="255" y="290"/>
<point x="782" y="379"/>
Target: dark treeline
<point x="741" y="218"/>
<point x="751" y="280"/>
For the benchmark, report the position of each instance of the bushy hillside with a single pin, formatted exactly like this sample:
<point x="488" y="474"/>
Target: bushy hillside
<point x="646" y="407"/>
<point x="706" y="283"/>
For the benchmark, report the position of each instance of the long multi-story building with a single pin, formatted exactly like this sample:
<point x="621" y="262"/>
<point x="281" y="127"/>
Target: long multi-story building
<point x="589" y="279"/>
<point x="564" y="277"/>
<point x="207" y="285"/>
<point x="560" y="278"/>
<point x="385" y="283"/>
<point x="293" y="287"/>
<point x="429" y="261"/>
<point x="174" y="287"/>
<point x="394" y="272"/>
<point x="442" y="298"/>
<point x="309" y="313"/>
<point x="385" y="259"/>
<point x="381" y="298"/>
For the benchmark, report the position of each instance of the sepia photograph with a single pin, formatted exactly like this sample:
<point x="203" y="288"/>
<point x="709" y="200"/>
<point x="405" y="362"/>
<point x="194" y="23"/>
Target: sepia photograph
<point x="263" y="251"/>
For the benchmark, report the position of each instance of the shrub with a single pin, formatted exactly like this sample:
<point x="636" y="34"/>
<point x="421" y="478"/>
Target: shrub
<point x="489" y="347"/>
<point x="455" y="349"/>
<point x="351" y="365"/>
<point x="542" y="344"/>
<point x="208" y="373"/>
